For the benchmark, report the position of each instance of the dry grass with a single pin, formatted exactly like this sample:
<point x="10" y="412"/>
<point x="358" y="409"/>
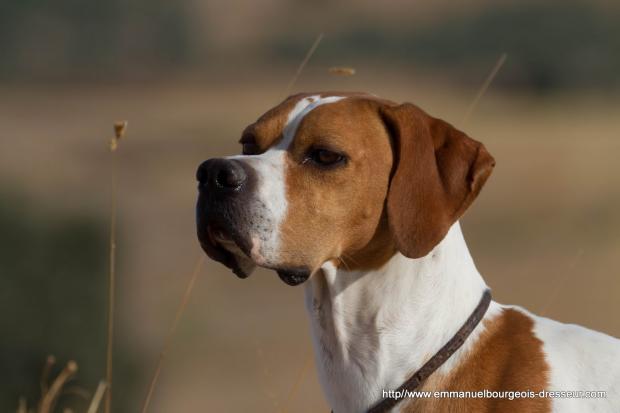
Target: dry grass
<point x="341" y="71"/>
<point x="484" y="87"/>
<point x="119" y="132"/>
<point x="51" y="390"/>
<point x="303" y="64"/>
<point x="96" y="401"/>
<point x="50" y="397"/>
<point x="305" y="368"/>
<point x="170" y="336"/>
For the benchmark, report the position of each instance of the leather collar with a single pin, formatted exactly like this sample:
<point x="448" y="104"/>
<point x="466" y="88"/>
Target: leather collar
<point x="440" y="357"/>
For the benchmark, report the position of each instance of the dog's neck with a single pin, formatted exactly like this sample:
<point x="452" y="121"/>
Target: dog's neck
<point x="373" y="329"/>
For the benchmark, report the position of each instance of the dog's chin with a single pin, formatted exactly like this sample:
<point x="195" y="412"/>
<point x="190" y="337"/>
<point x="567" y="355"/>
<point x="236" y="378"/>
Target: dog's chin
<point x="295" y="276"/>
<point x="245" y="266"/>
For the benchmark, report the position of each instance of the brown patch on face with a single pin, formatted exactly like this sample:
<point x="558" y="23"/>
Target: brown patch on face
<point x="338" y="212"/>
<point x="507" y="357"/>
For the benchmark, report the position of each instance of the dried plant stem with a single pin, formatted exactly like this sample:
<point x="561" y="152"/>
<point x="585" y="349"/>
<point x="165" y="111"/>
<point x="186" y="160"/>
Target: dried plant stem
<point x="119" y="131"/>
<point x="267" y="376"/>
<point x="22" y="406"/>
<point x="472" y="106"/>
<point x="96" y="401"/>
<point x="78" y="391"/>
<point x="304" y="63"/>
<point x="45" y="374"/>
<point x="169" y="337"/>
<point x="300" y="379"/>
<point x="50" y="397"/>
<point x="341" y="71"/>
<point x="111" y="287"/>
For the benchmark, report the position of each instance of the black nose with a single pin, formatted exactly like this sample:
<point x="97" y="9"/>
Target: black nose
<point x="221" y="174"/>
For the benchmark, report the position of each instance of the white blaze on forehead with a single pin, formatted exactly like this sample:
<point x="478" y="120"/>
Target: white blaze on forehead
<point x="271" y="191"/>
<point x="299" y="112"/>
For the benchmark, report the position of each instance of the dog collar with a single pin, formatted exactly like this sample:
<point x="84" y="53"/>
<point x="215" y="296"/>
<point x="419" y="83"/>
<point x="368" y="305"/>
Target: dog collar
<point x="439" y="358"/>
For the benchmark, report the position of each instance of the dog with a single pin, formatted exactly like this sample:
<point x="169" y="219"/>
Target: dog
<point x="358" y="198"/>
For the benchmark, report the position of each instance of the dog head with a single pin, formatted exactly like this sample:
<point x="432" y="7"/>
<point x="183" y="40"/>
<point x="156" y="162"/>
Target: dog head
<point x="341" y="177"/>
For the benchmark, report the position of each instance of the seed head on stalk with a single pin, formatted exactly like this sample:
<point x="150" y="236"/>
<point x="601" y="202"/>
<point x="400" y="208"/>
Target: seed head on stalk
<point x="119" y="132"/>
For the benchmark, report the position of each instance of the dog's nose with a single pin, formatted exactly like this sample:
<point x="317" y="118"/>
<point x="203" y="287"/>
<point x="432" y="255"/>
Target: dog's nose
<point x="221" y="174"/>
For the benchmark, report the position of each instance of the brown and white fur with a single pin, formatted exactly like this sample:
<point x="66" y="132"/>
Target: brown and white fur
<point x="359" y="199"/>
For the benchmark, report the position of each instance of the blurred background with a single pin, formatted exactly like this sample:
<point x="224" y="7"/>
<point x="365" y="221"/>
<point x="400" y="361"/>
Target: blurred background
<point x="189" y="75"/>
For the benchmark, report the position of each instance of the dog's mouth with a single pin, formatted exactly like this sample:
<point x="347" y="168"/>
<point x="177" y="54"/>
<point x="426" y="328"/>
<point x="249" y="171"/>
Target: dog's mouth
<point x="220" y="245"/>
<point x="223" y="243"/>
<point x="218" y="235"/>
<point x="224" y="239"/>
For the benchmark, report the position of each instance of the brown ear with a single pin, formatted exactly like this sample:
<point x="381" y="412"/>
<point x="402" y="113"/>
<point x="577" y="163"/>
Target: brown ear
<point x="438" y="171"/>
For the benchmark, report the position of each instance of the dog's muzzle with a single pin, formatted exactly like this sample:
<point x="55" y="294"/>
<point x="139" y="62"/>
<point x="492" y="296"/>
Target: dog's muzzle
<point x="231" y="219"/>
<point x="222" y="219"/>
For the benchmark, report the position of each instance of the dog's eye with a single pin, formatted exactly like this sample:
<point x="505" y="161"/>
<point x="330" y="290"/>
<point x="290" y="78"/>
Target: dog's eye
<point x="249" y="148"/>
<point x="325" y="157"/>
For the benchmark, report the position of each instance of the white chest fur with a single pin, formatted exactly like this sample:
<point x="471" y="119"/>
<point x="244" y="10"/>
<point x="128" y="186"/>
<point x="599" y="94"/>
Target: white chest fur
<point x="372" y="330"/>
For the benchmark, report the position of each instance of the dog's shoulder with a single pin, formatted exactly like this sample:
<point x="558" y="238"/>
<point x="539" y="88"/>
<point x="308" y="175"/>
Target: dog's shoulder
<point x="580" y="359"/>
<point x="517" y="351"/>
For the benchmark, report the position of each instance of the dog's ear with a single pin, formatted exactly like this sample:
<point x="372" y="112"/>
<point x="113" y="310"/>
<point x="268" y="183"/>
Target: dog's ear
<point x="438" y="171"/>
